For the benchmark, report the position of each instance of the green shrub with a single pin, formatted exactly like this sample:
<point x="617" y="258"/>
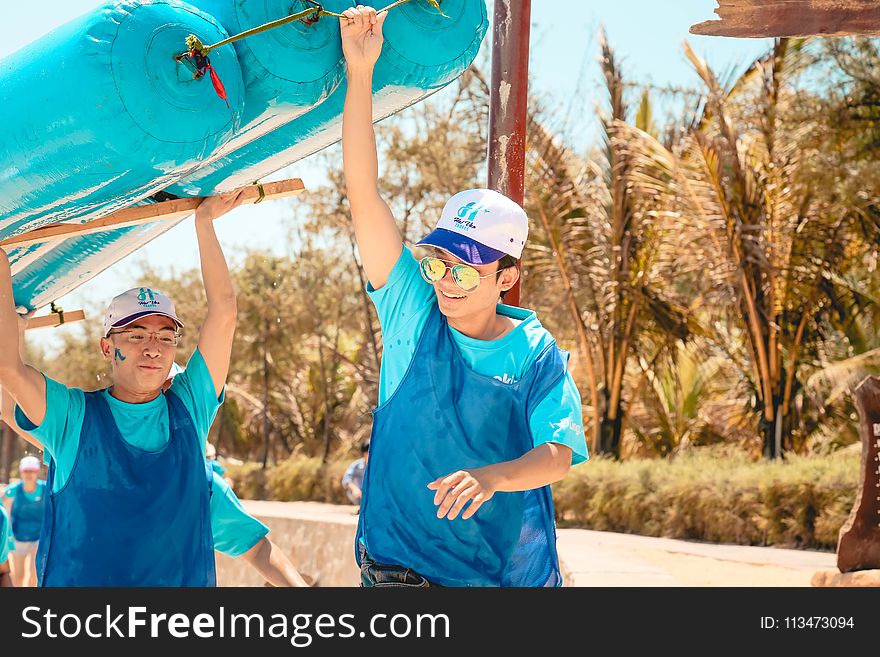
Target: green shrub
<point x="707" y="494"/>
<point x="712" y="494"/>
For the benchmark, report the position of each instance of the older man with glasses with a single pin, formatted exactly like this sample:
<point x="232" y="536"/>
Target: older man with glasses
<point x="129" y="492"/>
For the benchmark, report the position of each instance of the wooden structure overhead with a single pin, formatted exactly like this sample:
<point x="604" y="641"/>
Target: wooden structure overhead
<point x="793" y="18"/>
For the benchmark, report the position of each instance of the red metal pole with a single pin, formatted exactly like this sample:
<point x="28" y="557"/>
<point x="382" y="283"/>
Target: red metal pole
<point x="509" y="104"/>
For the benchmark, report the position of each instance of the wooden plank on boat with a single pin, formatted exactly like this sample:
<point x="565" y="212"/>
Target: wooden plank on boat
<point x="55" y="319"/>
<point x="144" y="214"/>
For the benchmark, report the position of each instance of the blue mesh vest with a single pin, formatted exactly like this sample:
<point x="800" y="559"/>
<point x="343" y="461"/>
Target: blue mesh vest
<point x="126" y="516"/>
<point x="445" y="417"/>
<point x="27" y="514"/>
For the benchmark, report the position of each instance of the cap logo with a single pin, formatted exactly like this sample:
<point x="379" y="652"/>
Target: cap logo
<point x="467" y="215"/>
<point x="147" y="297"/>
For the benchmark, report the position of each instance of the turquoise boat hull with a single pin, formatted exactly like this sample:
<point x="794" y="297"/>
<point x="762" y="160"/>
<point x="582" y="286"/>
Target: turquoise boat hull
<point x="279" y="113"/>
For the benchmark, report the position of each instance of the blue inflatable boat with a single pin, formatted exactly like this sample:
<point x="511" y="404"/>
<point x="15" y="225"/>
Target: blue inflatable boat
<point x="98" y="115"/>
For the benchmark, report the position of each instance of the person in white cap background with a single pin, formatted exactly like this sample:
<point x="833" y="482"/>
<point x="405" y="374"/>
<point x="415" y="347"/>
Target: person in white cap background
<point x="477" y="414"/>
<point x="26" y="501"/>
<point x="128" y="497"/>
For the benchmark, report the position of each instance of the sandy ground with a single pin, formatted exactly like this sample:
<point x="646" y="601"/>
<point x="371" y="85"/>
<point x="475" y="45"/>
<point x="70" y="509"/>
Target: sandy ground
<point x="609" y="559"/>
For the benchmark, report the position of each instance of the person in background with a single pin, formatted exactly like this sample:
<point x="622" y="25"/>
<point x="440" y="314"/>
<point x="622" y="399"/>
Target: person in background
<point x="27" y="501"/>
<point x="6" y="545"/>
<point x="353" y="479"/>
<point x="211" y="457"/>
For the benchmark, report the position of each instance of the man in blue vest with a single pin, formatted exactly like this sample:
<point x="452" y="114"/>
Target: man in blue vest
<point x="129" y="495"/>
<point x="477" y="414"/>
<point x="234" y="531"/>
<point x="27" y="499"/>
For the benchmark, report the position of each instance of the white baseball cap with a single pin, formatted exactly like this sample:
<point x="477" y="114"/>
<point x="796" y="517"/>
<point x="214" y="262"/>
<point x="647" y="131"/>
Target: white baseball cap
<point x="29" y="463"/>
<point x="136" y="303"/>
<point x="480" y="226"/>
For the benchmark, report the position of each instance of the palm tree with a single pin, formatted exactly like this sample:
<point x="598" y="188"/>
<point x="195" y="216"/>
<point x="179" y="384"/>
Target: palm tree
<point x="771" y="229"/>
<point x="668" y="416"/>
<point x="610" y="254"/>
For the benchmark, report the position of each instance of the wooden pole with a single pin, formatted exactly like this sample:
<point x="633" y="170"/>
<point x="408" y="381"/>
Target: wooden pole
<point x="508" y="104"/>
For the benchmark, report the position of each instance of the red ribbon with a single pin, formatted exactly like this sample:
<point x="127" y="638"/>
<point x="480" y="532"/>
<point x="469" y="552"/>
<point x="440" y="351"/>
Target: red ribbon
<point x="202" y="64"/>
<point x="218" y="85"/>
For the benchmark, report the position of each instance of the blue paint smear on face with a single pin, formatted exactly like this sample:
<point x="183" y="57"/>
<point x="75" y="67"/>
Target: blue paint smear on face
<point x="118" y="355"/>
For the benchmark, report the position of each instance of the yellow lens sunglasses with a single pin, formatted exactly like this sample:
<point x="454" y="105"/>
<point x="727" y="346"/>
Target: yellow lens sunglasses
<point x="464" y="276"/>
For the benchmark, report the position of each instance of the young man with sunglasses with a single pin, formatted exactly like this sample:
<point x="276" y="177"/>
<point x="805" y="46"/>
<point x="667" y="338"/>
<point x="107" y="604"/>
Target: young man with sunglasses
<point x="477" y="414"/>
<point x="128" y="503"/>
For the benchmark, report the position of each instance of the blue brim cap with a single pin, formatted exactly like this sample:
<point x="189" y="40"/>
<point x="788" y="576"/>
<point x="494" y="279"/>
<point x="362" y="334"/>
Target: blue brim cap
<point x="462" y="247"/>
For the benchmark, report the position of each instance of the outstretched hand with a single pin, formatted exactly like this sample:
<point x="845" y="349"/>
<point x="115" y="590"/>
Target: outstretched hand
<point x="455" y="490"/>
<point x="216" y="206"/>
<point x="361" y="30"/>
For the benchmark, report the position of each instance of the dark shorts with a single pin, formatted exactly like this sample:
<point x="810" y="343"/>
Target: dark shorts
<point x="377" y="574"/>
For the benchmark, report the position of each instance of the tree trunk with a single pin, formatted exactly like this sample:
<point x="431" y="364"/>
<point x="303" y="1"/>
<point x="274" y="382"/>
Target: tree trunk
<point x="325" y="421"/>
<point x="609" y="436"/>
<point x="265" y="395"/>
<point x="772" y="431"/>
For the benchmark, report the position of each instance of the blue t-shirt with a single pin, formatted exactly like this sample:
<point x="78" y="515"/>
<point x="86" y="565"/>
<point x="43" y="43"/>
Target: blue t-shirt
<point x="216" y="467"/>
<point x="6" y="541"/>
<point x="235" y="530"/>
<point x="35" y="496"/>
<point x="403" y="305"/>
<point x="144" y="426"/>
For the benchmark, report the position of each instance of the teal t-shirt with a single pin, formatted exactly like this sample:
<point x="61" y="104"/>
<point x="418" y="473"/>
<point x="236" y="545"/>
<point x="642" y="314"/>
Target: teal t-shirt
<point x="144" y="426"/>
<point x="216" y="467"/>
<point x="235" y="530"/>
<point x="403" y="305"/>
<point x="6" y="541"/>
<point x="35" y="496"/>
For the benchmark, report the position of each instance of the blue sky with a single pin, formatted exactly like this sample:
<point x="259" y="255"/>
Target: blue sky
<point x="646" y="34"/>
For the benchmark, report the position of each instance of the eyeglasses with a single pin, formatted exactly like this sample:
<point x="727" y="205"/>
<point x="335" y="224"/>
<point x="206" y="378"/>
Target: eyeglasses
<point x="464" y="276"/>
<point x="139" y="336"/>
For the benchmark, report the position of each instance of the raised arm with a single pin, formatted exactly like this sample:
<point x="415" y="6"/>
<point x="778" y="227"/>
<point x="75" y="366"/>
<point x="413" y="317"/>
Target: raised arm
<point x="24" y="384"/>
<point x="7" y="404"/>
<point x="215" y="339"/>
<point x="378" y="238"/>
